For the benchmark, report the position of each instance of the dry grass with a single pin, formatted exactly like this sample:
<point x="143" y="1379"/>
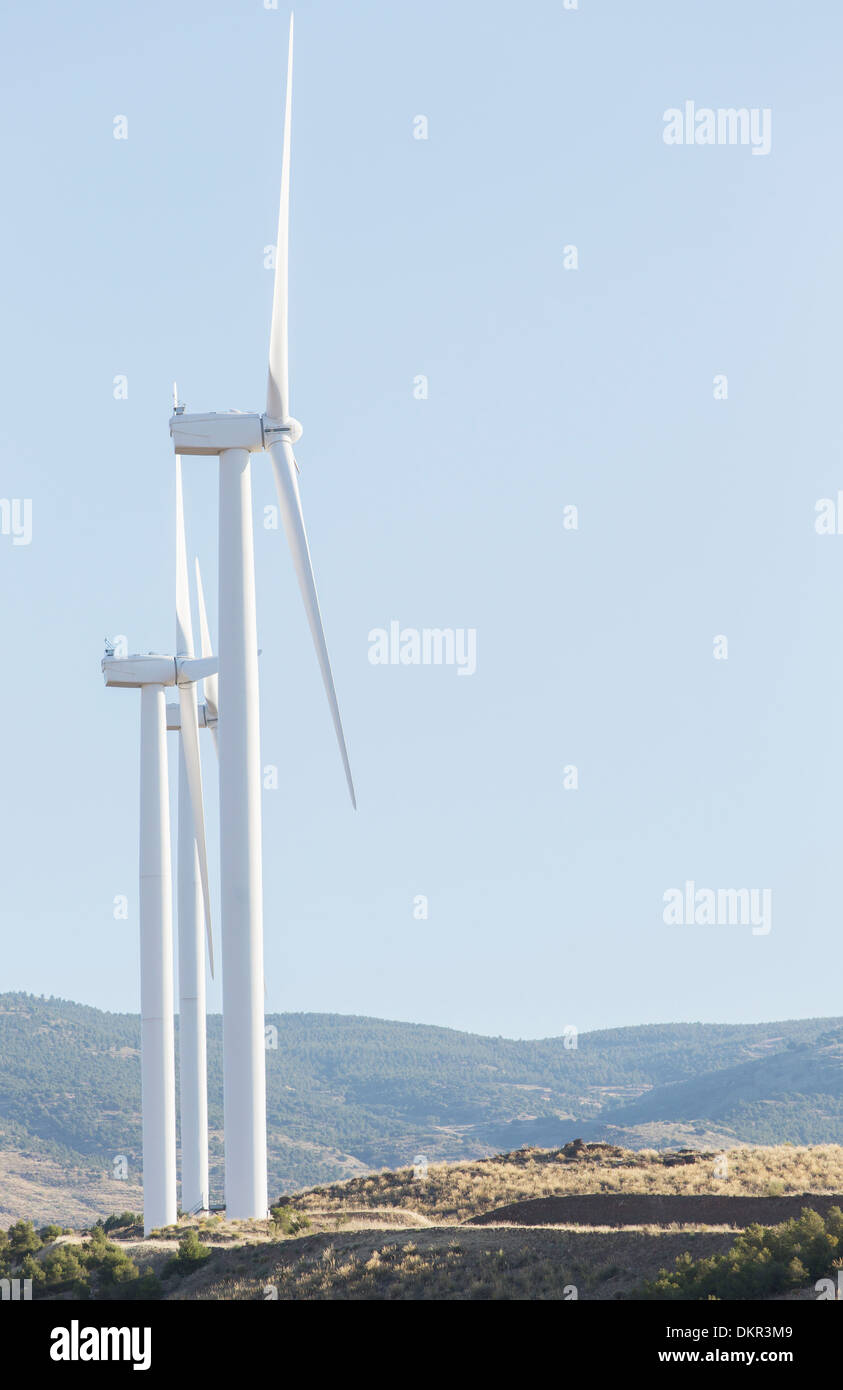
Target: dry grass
<point x="216" y="1231"/>
<point x="465" y="1264"/>
<point x="456" y="1191"/>
<point x="390" y="1236"/>
<point x="41" y="1189"/>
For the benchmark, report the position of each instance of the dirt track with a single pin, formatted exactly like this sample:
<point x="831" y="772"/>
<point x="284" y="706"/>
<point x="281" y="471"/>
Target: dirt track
<point x="643" y="1209"/>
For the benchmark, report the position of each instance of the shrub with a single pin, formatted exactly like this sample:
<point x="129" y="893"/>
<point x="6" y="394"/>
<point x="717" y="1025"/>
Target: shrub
<point x="119" y="1223"/>
<point x="762" y="1261"/>
<point x="95" y="1247"/>
<point x="115" y="1270"/>
<point x="23" y="1239"/>
<point x="288" y="1221"/>
<point x="63" y="1268"/>
<point x="31" y="1269"/>
<point x="134" y="1287"/>
<point x="191" y="1254"/>
<point x="148" y="1286"/>
<point x="74" y="1268"/>
<point x="116" y="1267"/>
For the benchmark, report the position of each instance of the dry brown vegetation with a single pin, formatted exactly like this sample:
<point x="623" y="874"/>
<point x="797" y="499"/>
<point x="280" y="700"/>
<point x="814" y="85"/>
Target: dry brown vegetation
<point x="455" y="1264"/>
<point x="457" y="1191"/>
<point x="34" y="1187"/>
<point x="392" y="1236"/>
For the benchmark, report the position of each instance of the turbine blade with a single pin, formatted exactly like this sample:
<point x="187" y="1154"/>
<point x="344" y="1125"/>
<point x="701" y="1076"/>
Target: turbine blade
<point x="211" y="682"/>
<point x="193" y="766"/>
<point x="184" y="626"/>
<point x="278" y="385"/>
<point x="283" y="465"/>
<point x="196" y="668"/>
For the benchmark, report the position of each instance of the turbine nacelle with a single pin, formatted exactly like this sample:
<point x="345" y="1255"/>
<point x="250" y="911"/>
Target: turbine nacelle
<point x="133" y="672"/>
<point x="205" y="719"/>
<point x="214" y="432"/>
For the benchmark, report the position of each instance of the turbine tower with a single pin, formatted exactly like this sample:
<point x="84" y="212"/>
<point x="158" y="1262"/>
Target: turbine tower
<point x="233" y="437"/>
<point x="191" y="907"/>
<point x="193" y="1056"/>
<point x="151" y="675"/>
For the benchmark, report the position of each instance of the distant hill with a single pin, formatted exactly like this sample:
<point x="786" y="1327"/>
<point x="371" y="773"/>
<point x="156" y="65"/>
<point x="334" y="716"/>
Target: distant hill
<point x="347" y="1095"/>
<point x="794" y="1094"/>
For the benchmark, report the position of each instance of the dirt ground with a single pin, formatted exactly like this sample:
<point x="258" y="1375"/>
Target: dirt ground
<point x="38" y="1189"/>
<point x="656" y="1209"/>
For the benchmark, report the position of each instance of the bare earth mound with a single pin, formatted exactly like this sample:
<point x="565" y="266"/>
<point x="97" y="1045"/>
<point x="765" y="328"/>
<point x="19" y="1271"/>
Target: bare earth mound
<point x="655" y="1209"/>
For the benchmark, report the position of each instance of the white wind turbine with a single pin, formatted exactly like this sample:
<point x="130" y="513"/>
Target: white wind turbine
<point x="233" y="437"/>
<point x="151" y="674"/>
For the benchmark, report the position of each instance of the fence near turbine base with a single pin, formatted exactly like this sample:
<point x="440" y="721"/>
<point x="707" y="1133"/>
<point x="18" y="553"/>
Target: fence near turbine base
<point x="216" y="1203"/>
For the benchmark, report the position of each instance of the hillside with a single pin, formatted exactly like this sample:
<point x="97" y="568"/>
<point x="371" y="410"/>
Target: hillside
<point x="349" y="1095"/>
<point x="462" y="1232"/>
<point x="795" y="1093"/>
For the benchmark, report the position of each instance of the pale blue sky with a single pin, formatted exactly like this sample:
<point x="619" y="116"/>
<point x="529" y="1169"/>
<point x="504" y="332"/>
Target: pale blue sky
<point x="547" y="387"/>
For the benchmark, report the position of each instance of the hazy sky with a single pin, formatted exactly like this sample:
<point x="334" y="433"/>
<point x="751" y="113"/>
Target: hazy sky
<point x="548" y="388"/>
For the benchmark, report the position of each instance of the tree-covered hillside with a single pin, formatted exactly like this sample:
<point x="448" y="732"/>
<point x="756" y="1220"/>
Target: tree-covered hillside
<point x="348" y="1094"/>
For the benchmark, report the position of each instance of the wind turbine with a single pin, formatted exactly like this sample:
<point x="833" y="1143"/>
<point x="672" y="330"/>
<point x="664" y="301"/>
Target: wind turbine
<point x="151" y="674"/>
<point x="233" y="437"/>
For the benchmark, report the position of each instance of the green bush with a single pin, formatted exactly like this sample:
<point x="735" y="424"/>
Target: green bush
<point x="115" y="1271"/>
<point x="23" y="1239"/>
<point x="140" y="1286"/>
<point x="97" y="1264"/>
<point x="97" y="1244"/>
<point x="191" y="1254"/>
<point x="31" y="1269"/>
<point x="148" y="1286"/>
<point x="762" y="1261"/>
<point x="119" y="1223"/>
<point x="63" y="1268"/>
<point x="116" y="1267"/>
<point x="289" y="1221"/>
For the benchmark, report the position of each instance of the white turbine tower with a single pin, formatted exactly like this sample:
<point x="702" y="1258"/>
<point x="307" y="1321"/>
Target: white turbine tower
<point x="191" y="907"/>
<point x="151" y="675"/>
<point x="233" y="437"/>
<point x="193" y="1055"/>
